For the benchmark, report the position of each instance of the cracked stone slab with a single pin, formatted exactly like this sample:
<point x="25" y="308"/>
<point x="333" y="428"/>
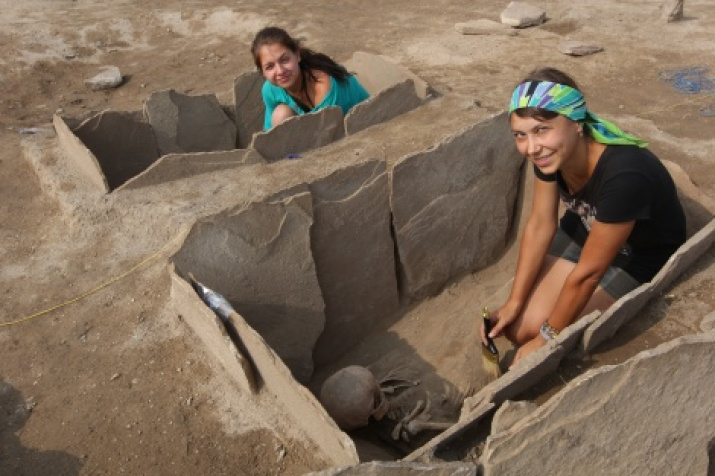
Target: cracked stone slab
<point x="378" y="72"/>
<point x="249" y="107"/>
<point x="385" y="105"/>
<point x="258" y="256"/>
<point x="354" y="255"/>
<point x="300" y="133"/>
<point x="184" y="123"/>
<point x="610" y="418"/>
<point x="453" y="205"/>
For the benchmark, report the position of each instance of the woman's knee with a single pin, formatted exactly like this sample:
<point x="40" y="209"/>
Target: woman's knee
<point x="523" y="329"/>
<point x="280" y="114"/>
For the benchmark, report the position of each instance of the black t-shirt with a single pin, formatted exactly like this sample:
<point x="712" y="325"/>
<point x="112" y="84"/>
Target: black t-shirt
<point x="628" y="183"/>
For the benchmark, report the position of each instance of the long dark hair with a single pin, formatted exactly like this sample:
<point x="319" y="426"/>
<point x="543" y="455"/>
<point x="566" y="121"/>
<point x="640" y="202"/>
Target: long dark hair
<point x="309" y="59"/>
<point x="545" y="74"/>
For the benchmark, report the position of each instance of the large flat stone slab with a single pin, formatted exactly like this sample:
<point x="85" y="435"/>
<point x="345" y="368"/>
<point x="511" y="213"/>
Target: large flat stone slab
<point x="385" y="105"/>
<point x="259" y="258"/>
<point x="453" y="205"/>
<point x="377" y="72"/>
<point x="650" y="415"/>
<point x="184" y="123"/>
<point x="399" y="468"/>
<point x="354" y="255"/>
<point x="251" y="354"/>
<point x="249" y="107"/>
<point x="300" y="133"/>
<point x="123" y="145"/>
<point x="79" y="157"/>
<point x="174" y="167"/>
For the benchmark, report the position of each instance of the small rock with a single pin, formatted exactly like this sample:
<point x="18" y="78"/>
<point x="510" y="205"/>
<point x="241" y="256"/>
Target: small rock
<point x="577" y="48"/>
<point x="672" y="10"/>
<point x="669" y="298"/>
<point x="522" y="15"/>
<point x="114" y="377"/>
<point x="483" y="27"/>
<point x="110" y="77"/>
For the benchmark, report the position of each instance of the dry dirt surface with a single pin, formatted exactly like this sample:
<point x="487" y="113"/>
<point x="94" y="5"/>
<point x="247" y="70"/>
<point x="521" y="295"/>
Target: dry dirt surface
<point x="114" y="382"/>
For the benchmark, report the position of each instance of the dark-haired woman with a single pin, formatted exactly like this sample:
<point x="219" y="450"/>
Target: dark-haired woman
<point x="299" y="80"/>
<point x="623" y="219"/>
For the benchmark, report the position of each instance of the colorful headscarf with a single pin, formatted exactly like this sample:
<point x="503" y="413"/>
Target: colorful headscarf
<point x="569" y="102"/>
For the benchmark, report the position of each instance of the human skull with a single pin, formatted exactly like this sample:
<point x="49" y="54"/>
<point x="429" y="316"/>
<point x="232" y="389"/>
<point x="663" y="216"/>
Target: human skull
<point x="351" y="396"/>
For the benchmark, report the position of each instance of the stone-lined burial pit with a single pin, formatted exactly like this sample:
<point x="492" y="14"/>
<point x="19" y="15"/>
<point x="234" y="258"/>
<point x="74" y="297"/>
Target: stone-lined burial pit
<point x="317" y="265"/>
<point x="111" y="148"/>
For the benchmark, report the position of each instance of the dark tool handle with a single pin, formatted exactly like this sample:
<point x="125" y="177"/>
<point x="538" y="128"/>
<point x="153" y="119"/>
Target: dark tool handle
<point x="487" y="329"/>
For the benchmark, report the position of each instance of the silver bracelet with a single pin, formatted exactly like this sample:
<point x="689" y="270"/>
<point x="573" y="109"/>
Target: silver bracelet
<point x="548" y="332"/>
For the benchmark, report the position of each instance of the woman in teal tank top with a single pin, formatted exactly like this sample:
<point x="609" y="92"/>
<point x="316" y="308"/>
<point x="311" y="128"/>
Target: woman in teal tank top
<point x="299" y="80"/>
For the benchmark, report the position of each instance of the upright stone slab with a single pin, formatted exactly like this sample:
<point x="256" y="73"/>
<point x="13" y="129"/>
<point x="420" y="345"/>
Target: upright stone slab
<point x="653" y="414"/>
<point x="354" y="255"/>
<point x="300" y="133"/>
<point x="453" y="205"/>
<point x="123" y="145"/>
<point x="185" y="123"/>
<point x="80" y="157"/>
<point x="377" y="72"/>
<point x="259" y="258"/>
<point x="173" y="167"/>
<point x="385" y="105"/>
<point x="249" y="106"/>
<point x="401" y="468"/>
<point x="303" y="412"/>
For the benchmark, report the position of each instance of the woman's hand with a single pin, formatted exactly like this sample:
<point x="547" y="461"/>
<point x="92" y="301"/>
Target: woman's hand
<point x="526" y="349"/>
<point x="501" y="318"/>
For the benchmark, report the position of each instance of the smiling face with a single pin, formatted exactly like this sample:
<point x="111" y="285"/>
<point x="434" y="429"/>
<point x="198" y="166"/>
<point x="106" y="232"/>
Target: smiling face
<point x="280" y="66"/>
<point x="547" y="143"/>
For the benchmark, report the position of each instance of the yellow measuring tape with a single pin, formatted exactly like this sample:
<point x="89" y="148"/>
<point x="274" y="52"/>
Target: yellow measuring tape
<point x="98" y="288"/>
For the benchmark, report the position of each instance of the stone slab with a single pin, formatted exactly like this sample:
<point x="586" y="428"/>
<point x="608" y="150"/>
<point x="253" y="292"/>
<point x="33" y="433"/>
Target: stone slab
<point x="80" y="157"/>
<point x="453" y="205"/>
<point x="578" y="48"/>
<point x="300" y="133"/>
<point x="629" y="305"/>
<point x="184" y="123"/>
<point x="484" y="27"/>
<point x="124" y="145"/>
<point x="383" y="106"/>
<point x="258" y="256"/>
<point x="249" y="107"/>
<point x="651" y="415"/>
<point x="400" y="468"/>
<point x="271" y="375"/>
<point x="173" y="167"/>
<point x="378" y="72"/>
<point x="354" y="255"/>
<point x="511" y="412"/>
<point x="522" y="15"/>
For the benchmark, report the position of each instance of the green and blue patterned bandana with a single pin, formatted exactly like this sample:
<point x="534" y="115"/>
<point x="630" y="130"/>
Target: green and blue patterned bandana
<point x="569" y="102"/>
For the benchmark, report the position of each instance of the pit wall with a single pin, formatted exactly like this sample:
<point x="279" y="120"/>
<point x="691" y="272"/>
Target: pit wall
<point x="110" y="148"/>
<point x="314" y="267"/>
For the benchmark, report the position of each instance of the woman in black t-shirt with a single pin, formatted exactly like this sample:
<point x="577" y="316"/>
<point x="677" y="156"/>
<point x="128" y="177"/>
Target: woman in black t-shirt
<point x="622" y="222"/>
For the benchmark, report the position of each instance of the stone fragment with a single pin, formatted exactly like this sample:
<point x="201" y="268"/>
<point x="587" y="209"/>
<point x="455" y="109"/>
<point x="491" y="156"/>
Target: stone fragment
<point x="653" y="412"/>
<point x="109" y="78"/>
<point x="453" y="205"/>
<point x="511" y="412"/>
<point x="354" y="255"/>
<point x="184" y="123"/>
<point x="304" y="414"/>
<point x="484" y="27"/>
<point x="300" y="133"/>
<point x="672" y="10"/>
<point x="401" y="468"/>
<point x="522" y="15"/>
<point x="578" y="48"/>
<point x="249" y="107"/>
<point x="259" y="258"/>
<point x="385" y="105"/>
<point x="123" y="144"/>
<point x="173" y="167"/>
<point x="708" y="322"/>
<point x="377" y="72"/>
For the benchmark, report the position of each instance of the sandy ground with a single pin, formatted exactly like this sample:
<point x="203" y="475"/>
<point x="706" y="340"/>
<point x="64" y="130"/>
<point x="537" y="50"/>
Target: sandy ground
<point x="115" y="383"/>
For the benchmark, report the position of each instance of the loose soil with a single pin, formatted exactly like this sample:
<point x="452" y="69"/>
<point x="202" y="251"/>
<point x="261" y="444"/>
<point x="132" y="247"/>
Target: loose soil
<point x="115" y="382"/>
